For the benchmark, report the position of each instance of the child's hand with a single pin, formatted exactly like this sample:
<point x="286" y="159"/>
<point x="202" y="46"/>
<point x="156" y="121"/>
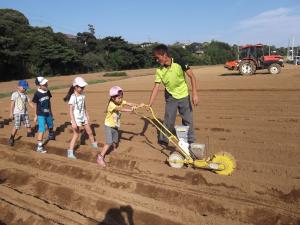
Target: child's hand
<point x="11" y="116"/>
<point x="148" y="107"/>
<point x="74" y="125"/>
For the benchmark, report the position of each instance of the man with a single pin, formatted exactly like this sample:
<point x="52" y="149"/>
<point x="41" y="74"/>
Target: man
<point x="172" y="75"/>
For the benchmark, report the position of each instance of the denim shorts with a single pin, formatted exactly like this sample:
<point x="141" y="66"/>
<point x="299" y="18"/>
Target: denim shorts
<point x="42" y="121"/>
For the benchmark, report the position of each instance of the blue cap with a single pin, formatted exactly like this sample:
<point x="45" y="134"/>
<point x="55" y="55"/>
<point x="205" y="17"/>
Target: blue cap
<point x="24" y="84"/>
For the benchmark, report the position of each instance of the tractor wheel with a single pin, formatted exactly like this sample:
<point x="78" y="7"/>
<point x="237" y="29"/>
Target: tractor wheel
<point x="274" y="68"/>
<point x="247" y="67"/>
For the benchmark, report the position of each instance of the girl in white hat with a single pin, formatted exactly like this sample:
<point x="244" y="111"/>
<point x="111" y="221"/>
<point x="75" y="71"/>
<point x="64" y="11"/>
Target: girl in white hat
<point x="78" y="114"/>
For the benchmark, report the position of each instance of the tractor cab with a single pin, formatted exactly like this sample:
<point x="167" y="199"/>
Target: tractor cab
<point x="253" y="52"/>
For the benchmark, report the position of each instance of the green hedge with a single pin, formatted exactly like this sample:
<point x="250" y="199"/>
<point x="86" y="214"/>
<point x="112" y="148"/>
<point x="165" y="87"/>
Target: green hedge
<point x="115" y="74"/>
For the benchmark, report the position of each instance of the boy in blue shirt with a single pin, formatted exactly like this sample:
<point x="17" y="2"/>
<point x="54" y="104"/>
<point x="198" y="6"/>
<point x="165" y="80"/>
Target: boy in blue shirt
<point x="43" y="112"/>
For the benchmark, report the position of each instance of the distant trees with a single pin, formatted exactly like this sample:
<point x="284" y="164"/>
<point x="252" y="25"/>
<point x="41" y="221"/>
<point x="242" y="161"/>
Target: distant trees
<point x="27" y="51"/>
<point x="218" y="53"/>
<point x="13" y="25"/>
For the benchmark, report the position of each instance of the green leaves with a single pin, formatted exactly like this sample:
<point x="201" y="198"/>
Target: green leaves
<point x="27" y="51"/>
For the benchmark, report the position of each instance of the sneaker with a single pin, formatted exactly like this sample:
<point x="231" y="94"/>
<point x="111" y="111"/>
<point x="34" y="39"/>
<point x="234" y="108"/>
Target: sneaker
<point x="94" y="145"/>
<point x="40" y="149"/>
<point x="71" y="154"/>
<point x="51" y="136"/>
<point x="30" y="134"/>
<point x="100" y="161"/>
<point x="11" y="141"/>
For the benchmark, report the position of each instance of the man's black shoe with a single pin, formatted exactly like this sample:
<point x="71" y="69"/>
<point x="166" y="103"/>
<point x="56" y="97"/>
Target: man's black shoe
<point x="163" y="143"/>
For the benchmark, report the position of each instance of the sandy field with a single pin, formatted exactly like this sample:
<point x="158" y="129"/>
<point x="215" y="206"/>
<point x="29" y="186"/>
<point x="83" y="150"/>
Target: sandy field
<point x="255" y="118"/>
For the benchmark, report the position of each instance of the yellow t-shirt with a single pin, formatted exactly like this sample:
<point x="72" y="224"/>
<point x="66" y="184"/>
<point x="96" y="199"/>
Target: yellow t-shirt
<point x="173" y="78"/>
<point x="112" y="117"/>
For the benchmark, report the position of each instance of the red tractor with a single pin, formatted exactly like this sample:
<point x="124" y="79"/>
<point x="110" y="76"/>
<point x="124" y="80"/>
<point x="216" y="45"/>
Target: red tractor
<point x="252" y="58"/>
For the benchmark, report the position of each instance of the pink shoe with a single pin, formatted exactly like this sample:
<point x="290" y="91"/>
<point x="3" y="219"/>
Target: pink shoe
<point x="100" y="161"/>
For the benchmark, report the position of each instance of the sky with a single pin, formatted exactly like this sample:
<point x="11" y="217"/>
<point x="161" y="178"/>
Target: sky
<point x="270" y="22"/>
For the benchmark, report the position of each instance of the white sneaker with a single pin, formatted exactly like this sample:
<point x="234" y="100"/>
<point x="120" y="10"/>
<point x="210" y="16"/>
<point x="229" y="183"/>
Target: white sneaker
<point x="71" y="154"/>
<point x="95" y="145"/>
<point x="40" y="149"/>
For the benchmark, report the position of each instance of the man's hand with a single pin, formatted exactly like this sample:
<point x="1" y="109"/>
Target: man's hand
<point x="195" y="99"/>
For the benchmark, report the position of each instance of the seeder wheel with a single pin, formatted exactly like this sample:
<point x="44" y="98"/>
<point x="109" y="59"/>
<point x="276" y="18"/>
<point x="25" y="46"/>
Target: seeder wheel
<point x="226" y="161"/>
<point x="176" y="160"/>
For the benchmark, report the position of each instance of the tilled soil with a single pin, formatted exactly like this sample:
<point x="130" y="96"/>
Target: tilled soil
<point x="255" y="118"/>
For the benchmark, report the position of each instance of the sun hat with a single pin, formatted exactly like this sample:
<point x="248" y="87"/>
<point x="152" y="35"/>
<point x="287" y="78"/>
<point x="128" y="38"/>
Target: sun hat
<point x="40" y="81"/>
<point x="115" y="90"/>
<point x="79" y="81"/>
<point x="24" y="84"/>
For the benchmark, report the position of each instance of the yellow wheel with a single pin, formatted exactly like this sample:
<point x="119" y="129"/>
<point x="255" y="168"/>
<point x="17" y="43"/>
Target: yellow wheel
<point x="176" y="160"/>
<point x="226" y="163"/>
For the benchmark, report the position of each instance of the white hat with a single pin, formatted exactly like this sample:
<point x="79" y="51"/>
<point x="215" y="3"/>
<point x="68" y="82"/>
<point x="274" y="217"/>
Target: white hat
<point x="41" y="81"/>
<point x="79" y="81"/>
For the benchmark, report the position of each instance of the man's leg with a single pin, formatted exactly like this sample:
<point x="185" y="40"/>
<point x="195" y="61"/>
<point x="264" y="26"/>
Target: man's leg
<point x="170" y="117"/>
<point x="186" y="113"/>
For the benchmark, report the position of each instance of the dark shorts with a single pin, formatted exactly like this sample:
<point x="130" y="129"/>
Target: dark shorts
<point x="111" y="135"/>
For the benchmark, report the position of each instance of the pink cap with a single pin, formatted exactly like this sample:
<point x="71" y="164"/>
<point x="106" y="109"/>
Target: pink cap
<point x="115" y="90"/>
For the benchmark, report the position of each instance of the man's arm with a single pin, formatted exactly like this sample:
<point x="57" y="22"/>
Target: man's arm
<point x="154" y="94"/>
<point x="194" y="86"/>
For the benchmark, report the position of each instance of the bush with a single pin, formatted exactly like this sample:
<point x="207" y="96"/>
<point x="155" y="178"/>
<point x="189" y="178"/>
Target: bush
<point x="115" y="74"/>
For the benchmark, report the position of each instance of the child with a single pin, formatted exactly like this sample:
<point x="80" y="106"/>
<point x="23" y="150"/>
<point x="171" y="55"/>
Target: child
<point x="112" y="121"/>
<point x="19" y="111"/>
<point x="78" y="114"/>
<point x="43" y="112"/>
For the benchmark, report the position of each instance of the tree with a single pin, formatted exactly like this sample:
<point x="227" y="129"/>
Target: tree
<point x="91" y="29"/>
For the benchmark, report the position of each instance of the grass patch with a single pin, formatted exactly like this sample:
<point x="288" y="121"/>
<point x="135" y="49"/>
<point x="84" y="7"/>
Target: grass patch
<point x="115" y="74"/>
<point x="96" y="81"/>
<point x="3" y="95"/>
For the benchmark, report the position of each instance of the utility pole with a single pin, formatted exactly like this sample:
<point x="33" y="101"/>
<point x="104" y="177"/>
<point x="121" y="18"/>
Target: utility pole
<point x="290" y="51"/>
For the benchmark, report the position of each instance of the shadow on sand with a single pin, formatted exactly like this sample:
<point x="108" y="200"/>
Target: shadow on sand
<point x="118" y="216"/>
